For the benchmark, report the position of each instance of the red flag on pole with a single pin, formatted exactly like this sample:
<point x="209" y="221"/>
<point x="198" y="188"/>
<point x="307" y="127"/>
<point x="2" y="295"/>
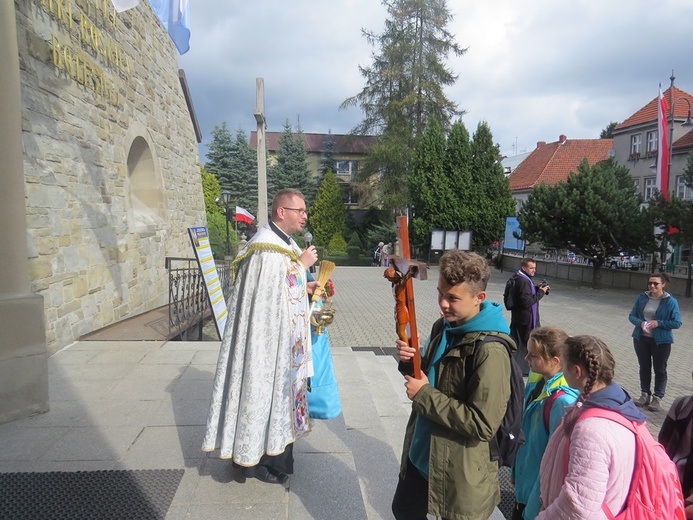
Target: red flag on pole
<point x="243" y="215"/>
<point x="662" y="146"/>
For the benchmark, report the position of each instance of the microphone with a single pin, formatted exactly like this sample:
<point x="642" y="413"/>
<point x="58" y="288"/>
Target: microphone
<point x="308" y="239"/>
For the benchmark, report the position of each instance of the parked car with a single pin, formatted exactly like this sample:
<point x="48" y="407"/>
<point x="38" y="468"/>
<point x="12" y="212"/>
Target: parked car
<point x="625" y="261"/>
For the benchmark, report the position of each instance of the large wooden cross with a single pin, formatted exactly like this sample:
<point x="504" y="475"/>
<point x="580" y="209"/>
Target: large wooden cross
<point x="400" y="273"/>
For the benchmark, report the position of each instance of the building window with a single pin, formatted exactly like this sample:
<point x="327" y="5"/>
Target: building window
<point x="649" y="187"/>
<point x="683" y="191"/>
<point x="637" y="185"/>
<point x="350" y="195"/>
<point x="635" y="144"/>
<point x="347" y="169"/>
<point x="652" y="141"/>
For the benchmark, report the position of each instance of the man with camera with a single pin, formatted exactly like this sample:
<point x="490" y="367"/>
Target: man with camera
<point x="525" y="310"/>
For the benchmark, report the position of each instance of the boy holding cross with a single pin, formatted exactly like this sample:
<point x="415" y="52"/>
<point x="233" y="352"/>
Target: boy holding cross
<point x="446" y="466"/>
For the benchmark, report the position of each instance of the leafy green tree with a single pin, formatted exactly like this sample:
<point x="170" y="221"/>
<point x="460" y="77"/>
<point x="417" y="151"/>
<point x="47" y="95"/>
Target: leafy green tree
<point x="327" y="213"/>
<point x="220" y="154"/>
<point x="493" y="199"/>
<point x="608" y="132"/>
<point x="211" y="190"/>
<point x="291" y="169"/>
<point x="216" y="221"/>
<point x="596" y="212"/>
<point x="404" y="88"/>
<point x="328" y="162"/>
<point x="431" y="195"/>
<point x="674" y="217"/>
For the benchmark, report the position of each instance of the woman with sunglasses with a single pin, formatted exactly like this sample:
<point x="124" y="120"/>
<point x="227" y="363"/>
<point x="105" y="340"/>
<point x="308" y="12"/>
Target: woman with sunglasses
<point x="655" y="314"/>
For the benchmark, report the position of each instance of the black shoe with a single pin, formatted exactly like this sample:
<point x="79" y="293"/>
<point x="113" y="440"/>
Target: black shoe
<point x="264" y="474"/>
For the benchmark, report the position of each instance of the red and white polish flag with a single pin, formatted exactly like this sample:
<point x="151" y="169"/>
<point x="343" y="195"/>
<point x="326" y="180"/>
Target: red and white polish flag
<point x="243" y="215"/>
<point x="662" y="181"/>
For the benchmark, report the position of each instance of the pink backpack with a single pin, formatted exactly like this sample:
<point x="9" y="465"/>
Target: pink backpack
<point x="655" y="490"/>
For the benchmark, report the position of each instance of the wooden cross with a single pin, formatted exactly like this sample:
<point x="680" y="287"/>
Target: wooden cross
<point x="400" y="273"/>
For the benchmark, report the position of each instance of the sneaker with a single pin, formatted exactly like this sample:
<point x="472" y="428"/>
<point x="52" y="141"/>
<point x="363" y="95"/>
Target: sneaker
<point x="655" y="405"/>
<point x="644" y="400"/>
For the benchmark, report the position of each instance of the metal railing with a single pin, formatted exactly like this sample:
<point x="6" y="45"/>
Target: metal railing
<point x="188" y="302"/>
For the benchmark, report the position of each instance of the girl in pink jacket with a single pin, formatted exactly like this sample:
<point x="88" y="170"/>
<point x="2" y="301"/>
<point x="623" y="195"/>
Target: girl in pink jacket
<point x="602" y="452"/>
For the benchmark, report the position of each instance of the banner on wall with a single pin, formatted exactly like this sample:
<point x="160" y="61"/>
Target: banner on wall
<point x="512" y="227"/>
<point x="205" y="259"/>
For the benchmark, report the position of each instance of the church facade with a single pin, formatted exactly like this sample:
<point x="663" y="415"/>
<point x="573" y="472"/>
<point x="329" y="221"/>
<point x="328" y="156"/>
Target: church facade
<point x="109" y="169"/>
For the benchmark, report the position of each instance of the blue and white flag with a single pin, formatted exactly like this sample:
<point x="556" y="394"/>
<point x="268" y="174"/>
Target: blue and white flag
<point x="175" y="16"/>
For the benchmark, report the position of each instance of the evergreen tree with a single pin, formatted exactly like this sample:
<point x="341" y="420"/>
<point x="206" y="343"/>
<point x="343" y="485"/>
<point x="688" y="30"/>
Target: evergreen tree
<point x="242" y="182"/>
<point x="596" y="212"/>
<point x="291" y="169"/>
<point x="493" y="199"/>
<point x="328" y="162"/>
<point x="432" y="198"/>
<point x="220" y="154"/>
<point x="404" y="89"/>
<point x="458" y="169"/>
<point x="327" y="212"/>
<point x="608" y="132"/>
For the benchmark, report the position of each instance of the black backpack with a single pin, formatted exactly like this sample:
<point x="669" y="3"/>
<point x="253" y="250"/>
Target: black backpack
<point x="509" y="293"/>
<point x="509" y="437"/>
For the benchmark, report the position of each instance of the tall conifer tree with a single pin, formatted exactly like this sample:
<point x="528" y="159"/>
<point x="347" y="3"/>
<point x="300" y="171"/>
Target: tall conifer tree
<point x="494" y="201"/>
<point x="327" y="213"/>
<point x="404" y="89"/>
<point x="291" y="169"/>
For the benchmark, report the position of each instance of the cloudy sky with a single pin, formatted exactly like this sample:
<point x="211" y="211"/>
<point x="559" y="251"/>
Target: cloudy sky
<point x="533" y="69"/>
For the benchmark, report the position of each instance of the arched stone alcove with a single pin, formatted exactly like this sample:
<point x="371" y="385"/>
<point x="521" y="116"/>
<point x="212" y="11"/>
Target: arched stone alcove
<point x="145" y="192"/>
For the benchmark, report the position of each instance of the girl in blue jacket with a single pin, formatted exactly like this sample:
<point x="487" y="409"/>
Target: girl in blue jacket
<point x="547" y="393"/>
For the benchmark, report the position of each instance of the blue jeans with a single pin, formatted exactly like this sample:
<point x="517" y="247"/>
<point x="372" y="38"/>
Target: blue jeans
<point x="650" y="355"/>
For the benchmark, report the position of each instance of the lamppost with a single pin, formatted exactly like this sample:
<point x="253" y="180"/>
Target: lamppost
<point x="225" y="201"/>
<point x="687" y="123"/>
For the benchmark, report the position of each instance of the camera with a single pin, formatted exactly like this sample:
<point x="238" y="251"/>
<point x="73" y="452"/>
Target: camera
<point x="544" y="283"/>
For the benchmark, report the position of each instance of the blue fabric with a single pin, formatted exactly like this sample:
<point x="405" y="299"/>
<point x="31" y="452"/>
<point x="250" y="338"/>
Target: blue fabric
<point x="323" y="398"/>
<point x="489" y="319"/>
<point x="668" y="316"/>
<point x="526" y="469"/>
<point x="175" y="17"/>
<point x="615" y="398"/>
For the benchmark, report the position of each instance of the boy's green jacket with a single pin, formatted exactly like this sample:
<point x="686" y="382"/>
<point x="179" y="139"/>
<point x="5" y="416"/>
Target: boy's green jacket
<point x="464" y="417"/>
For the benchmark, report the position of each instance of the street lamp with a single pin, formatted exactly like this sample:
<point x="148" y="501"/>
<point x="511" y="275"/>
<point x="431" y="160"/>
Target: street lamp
<point x="225" y="201"/>
<point x="687" y="123"/>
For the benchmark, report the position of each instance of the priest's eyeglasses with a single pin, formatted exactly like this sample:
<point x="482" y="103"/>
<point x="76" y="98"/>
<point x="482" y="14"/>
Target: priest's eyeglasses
<point x="297" y="210"/>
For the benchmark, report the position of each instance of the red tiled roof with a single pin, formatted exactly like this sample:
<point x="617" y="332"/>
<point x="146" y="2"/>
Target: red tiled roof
<point x="315" y="143"/>
<point x="648" y="113"/>
<point x="553" y="162"/>
<point x="684" y="142"/>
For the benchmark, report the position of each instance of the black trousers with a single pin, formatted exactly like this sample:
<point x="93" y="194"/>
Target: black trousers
<point x="282" y="463"/>
<point x="652" y="356"/>
<point x="411" y="496"/>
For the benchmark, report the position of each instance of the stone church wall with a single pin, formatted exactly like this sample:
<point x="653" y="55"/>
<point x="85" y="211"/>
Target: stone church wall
<point x="110" y="161"/>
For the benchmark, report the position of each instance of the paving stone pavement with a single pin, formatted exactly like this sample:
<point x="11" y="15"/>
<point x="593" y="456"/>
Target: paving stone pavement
<point x="143" y="405"/>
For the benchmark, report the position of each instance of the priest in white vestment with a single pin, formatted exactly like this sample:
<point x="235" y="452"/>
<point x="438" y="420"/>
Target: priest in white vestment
<point x="259" y="400"/>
